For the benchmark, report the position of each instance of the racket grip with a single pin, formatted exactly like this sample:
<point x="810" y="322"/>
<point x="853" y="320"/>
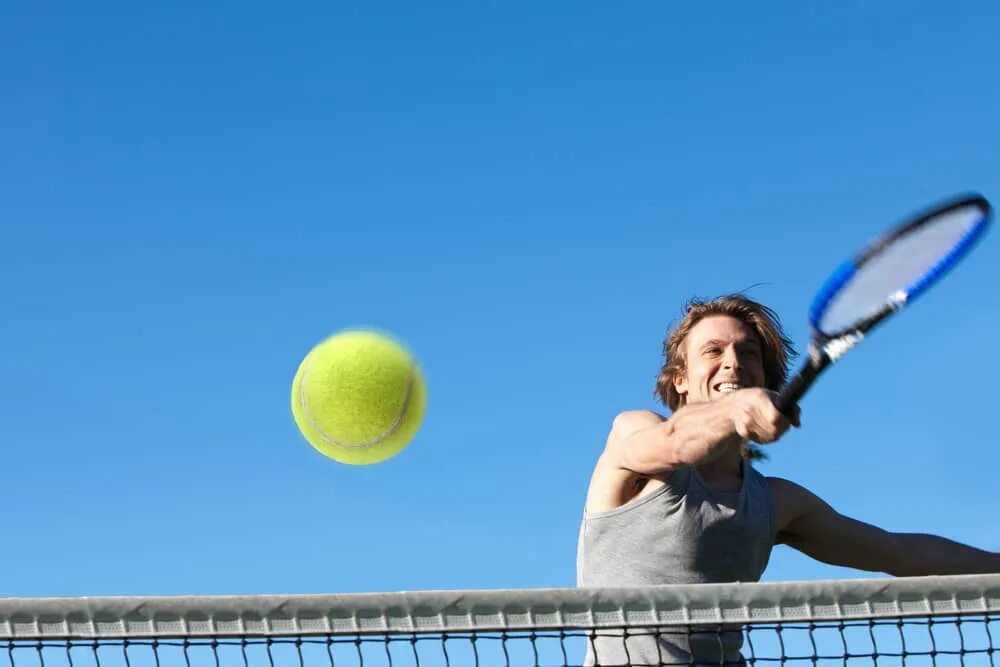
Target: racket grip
<point x="792" y="392"/>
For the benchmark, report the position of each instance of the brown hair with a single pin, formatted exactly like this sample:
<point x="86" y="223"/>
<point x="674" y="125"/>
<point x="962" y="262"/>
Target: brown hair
<point x="777" y="348"/>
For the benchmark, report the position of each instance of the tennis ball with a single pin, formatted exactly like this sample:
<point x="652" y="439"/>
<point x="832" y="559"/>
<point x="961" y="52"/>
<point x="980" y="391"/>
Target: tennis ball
<point x="358" y="397"/>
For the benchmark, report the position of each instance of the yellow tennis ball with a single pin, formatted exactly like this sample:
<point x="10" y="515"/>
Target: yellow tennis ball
<point x="359" y="397"/>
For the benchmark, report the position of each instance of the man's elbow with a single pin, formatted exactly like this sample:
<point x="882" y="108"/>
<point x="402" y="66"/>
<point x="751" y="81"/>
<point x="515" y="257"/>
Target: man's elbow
<point x="896" y="561"/>
<point x="646" y="450"/>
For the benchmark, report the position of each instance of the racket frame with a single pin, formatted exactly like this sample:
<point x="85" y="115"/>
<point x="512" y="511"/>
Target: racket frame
<point x="826" y="348"/>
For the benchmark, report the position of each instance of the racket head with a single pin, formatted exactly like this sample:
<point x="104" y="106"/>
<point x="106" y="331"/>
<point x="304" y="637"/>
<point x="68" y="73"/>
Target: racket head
<point x="897" y="267"/>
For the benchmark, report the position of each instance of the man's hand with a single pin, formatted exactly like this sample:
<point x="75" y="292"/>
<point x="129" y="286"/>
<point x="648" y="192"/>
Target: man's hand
<point x="756" y="417"/>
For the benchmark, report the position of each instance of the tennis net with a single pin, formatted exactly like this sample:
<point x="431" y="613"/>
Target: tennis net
<point x="911" y="621"/>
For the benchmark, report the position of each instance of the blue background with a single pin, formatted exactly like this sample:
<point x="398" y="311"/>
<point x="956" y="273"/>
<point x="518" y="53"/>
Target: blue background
<point x="526" y="193"/>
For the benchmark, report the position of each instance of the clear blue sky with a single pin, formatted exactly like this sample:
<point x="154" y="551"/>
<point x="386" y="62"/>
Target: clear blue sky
<point x="194" y="195"/>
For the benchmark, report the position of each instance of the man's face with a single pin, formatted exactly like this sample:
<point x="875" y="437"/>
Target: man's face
<point x="723" y="355"/>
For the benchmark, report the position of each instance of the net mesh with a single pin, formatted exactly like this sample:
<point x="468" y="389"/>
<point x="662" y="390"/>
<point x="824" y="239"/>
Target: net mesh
<point x="921" y="621"/>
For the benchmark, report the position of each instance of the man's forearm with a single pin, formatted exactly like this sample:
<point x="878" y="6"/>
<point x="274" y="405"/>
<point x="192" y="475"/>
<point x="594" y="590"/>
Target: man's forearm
<point x="929" y="554"/>
<point x="694" y="435"/>
<point x="700" y="432"/>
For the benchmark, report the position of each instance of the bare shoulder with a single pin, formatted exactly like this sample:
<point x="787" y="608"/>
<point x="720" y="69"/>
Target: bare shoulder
<point x="785" y="490"/>
<point x="791" y="502"/>
<point x="612" y="485"/>
<point x="783" y="487"/>
<point x="630" y="421"/>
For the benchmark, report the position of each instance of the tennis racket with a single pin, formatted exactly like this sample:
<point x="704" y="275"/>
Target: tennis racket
<point x="888" y="274"/>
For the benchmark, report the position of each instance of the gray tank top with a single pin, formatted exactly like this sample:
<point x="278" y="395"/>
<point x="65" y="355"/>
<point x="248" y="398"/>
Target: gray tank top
<point x="682" y="533"/>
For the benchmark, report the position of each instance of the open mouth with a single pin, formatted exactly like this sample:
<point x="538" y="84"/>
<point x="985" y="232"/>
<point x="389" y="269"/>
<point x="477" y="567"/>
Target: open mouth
<point x="727" y="387"/>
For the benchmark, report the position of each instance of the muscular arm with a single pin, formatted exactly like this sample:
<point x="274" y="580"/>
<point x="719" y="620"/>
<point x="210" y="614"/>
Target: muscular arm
<point x="808" y="524"/>
<point x="696" y="434"/>
<point x="642" y="444"/>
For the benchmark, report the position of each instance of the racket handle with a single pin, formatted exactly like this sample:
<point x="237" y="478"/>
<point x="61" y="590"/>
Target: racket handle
<point x="792" y="392"/>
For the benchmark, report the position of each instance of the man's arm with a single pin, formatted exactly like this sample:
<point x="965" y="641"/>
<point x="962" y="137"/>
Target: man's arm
<point x="808" y="524"/>
<point x="643" y="444"/>
<point x="696" y="434"/>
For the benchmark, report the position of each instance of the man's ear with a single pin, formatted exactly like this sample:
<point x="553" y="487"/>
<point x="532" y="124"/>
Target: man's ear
<point x="680" y="382"/>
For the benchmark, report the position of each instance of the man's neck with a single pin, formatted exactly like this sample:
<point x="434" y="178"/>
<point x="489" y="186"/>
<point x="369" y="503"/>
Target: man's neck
<point x="724" y="473"/>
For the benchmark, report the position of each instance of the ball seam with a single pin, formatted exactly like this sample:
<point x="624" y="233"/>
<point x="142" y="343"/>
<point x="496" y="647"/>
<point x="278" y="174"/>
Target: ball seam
<point x="304" y="403"/>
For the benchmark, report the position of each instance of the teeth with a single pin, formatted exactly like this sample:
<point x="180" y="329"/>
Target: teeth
<point x="727" y="387"/>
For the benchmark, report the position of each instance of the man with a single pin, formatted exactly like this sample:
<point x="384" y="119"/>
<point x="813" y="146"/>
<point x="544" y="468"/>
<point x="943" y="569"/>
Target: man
<point x="677" y="501"/>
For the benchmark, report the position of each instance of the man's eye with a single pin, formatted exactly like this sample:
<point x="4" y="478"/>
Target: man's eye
<point x="712" y="351"/>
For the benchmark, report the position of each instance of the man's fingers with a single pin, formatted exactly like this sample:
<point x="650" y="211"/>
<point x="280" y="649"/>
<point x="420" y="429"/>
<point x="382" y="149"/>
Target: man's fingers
<point x="766" y="426"/>
<point x="794" y="418"/>
<point x="771" y="423"/>
<point x="762" y="421"/>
